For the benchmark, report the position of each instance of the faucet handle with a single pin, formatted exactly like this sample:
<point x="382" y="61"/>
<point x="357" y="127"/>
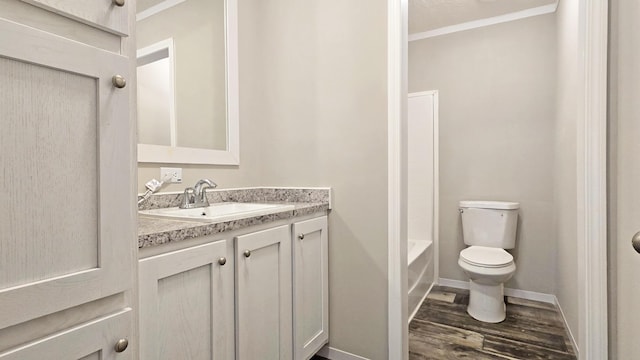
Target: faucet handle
<point x="204" y="202"/>
<point x="188" y="198"/>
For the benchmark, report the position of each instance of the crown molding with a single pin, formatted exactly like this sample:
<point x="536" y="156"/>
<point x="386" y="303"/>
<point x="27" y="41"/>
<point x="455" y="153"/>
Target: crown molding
<point x="518" y="15"/>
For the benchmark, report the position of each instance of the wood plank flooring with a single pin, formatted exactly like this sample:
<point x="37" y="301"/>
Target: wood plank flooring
<point x="442" y="329"/>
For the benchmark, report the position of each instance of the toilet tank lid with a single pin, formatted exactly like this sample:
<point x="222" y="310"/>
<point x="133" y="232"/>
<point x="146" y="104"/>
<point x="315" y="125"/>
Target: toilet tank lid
<point x="501" y="205"/>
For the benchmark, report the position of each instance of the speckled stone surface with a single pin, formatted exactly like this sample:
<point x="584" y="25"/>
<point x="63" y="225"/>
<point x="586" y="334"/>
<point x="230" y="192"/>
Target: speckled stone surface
<point x="153" y="231"/>
<point x="262" y="194"/>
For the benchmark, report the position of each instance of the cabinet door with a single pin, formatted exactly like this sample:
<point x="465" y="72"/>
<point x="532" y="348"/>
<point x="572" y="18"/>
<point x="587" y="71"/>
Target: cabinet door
<point x="102" y="14"/>
<point x="186" y="304"/>
<point x="92" y="340"/>
<point x="310" y="287"/>
<point x="66" y="236"/>
<point x="263" y="295"/>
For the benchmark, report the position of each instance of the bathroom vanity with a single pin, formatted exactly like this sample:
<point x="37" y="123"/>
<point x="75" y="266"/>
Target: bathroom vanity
<point x="248" y="288"/>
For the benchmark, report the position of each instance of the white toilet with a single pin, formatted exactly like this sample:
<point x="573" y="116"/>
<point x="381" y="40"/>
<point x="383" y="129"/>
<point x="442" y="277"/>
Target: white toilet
<point x="488" y="227"/>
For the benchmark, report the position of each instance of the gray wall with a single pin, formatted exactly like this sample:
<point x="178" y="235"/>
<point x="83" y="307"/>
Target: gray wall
<point x="313" y="112"/>
<point x="566" y="162"/>
<point x="324" y="116"/>
<point x="497" y="108"/>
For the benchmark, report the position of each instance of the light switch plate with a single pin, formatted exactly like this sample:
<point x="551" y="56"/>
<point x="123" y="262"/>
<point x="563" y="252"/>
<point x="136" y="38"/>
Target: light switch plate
<point x="172" y="175"/>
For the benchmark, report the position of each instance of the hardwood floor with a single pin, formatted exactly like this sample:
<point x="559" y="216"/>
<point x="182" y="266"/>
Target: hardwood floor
<point x="442" y="329"/>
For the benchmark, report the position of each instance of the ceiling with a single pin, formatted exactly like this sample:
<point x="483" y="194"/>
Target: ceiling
<point x="425" y="15"/>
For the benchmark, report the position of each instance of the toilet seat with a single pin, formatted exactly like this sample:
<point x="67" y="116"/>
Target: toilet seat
<point x="486" y="257"/>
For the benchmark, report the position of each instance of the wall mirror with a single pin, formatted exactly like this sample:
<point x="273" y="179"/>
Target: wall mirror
<point x="187" y="81"/>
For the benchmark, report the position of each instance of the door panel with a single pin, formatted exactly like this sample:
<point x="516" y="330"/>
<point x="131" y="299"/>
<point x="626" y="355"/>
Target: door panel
<point x="263" y="295"/>
<point x="185" y="315"/>
<point x="63" y="234"/>
<point x="186" y="304"/>
<point x="310" y="287"/>
<point x="624" y="186"/>
<point x="95" y="356"/>
<point x="46" y="149"/>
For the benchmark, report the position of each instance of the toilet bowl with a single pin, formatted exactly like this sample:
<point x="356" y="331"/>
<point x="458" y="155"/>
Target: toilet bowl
<point x="488" y="269"/>
<point x="488" y="227"/>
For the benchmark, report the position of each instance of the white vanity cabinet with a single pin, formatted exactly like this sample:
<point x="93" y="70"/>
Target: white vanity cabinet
<point x="186" y="304"/>
<point x="67" y="220"/>
<point x="310" y="287"/>
<point x="263" y="294"/>
<point x="254" y="293"/>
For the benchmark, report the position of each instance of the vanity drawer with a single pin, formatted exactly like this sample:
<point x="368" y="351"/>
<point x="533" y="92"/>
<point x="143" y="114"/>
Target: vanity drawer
<point x="107" y="15"/>
<point x="106" y="338"/>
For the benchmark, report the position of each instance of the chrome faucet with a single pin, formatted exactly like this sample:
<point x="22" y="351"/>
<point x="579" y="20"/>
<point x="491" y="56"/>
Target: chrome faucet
<point x="195" y="197"/>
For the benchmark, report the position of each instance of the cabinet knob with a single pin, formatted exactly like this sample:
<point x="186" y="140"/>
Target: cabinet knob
<point x="222" y="261"/>
<point x="247" y="253"/>
<point x="119" y="81"/>
<point x="118" y="3"/>
<point x="635" y="242"/>
<point x="121" y="345"/>
<point x="301" y="236"/>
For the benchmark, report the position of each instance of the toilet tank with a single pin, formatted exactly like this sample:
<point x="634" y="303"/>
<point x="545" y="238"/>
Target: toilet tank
<point x="489" y="223"/>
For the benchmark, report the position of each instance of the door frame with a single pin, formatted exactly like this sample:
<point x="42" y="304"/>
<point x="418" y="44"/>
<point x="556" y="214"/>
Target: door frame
<point x="591" y="179"/>
<point x="397" y="91"/>
<point x="592" y="221"/>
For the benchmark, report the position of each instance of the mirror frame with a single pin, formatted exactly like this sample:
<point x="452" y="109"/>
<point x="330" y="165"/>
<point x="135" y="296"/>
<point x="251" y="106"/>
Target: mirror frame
<point x="231" y="156"/>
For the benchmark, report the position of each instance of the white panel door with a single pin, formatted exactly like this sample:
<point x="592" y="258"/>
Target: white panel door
<point x="92" y="340"/>
<point x="624" y="260"/>
<point x="66" y="234"/>
<point x="186" y="304"/>
<point x="310" y="287"/>
<point x="263" y="295"/>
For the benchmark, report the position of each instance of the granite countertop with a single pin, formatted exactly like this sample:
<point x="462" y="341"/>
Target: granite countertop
<point x="154" y="231"/>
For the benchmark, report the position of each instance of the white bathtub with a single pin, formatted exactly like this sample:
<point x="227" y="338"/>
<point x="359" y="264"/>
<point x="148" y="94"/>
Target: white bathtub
<point x="420" y="275"/>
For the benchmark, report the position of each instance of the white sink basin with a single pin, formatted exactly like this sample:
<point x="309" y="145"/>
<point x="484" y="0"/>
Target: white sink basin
<point x="218" y="212"/>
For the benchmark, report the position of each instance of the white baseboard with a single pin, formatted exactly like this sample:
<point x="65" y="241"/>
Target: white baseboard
<point x="566" y="326"/>
<point x="336" y="354"/>
<point x="522" y="294"/>
<point x="458" y="284"/>
<point x="530" y="295"/>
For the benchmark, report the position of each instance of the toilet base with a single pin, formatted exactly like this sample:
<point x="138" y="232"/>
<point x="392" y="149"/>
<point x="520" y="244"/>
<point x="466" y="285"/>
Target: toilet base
<point x="486" y="302"/>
